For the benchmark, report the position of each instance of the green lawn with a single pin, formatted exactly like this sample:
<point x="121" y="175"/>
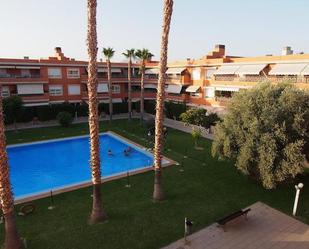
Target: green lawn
<point x="208" y="189"/>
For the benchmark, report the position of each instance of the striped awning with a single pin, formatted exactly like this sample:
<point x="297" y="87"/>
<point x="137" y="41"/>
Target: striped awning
<point x="227" y="70"/>
<point x="305" y="71"/>
<point x="192" y="89"/>
<point x="253" y="69"/>
<point x="288" y="69"/>
<point x="175" y="70"/>
<point x="27" y="67"/>
<point x="113" y="70"/>
<point x="152" y="71"/>
<point x="150" y="86"/>
<point x="115" y="100"/>
<point x="227" y="89"/>
<point x="173" y="89"/>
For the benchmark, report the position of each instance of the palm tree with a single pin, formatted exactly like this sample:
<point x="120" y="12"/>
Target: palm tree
<point x="144" y="55"/>
<point x="158" y="193"/>
<point x="129" y="54"/>
<point x="97" y="214"/>
<point x="12" y="239"/>
<point x="109" y="53"/>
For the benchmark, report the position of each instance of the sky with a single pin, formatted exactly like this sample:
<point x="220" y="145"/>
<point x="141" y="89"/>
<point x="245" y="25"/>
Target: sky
<point x="247" y="27"/>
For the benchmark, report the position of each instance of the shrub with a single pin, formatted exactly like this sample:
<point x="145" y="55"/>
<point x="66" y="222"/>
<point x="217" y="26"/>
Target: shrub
<point x="195" y="116"/>
<point x="211" y="120"/>
<point x="82" y="110"/>
<point x="174" y="110"/>
<point x="150" y="106"/>
<point x="65" y="118"/>
<point x="45" y="113"/>
<point x="196" y="135"/>
<point x="12" y="107"/>
<point x="26" y="114"/>
<point x="266" y="133"/>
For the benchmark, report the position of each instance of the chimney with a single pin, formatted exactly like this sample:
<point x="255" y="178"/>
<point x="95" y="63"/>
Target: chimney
<point x="287" y="51"/>
<point x="26" y="57"/>
<point x="220" y="49"/>
<point x="58" y="50"/>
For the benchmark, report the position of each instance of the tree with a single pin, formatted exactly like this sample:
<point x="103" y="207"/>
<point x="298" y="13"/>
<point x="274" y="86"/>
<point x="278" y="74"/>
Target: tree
<point x="109" y="53"/>
<point x="144" y="55"/>
<point x="130" y="54"/>
<point x="65" y="118"/>
<point x="265" y="132"/>
<point x="97" y="214"/>
<point x="195" y="116"/>
<point x="12" y="108"/>
<point x="12" y="239"/>
<point x="158" y="193"/>
<point x="196" y="135"/>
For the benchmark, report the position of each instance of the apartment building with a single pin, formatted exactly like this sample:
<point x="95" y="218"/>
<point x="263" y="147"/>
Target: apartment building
<point x="207" y="82"/>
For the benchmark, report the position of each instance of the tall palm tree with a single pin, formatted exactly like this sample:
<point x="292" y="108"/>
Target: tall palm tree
<point x="12" y="239"/>
<point x="158" y="193"/>
<point x="109" y="53"/>
<point x="129" y="54"/>
<point x="144" y="55"/>
<point x="97" y="214"/>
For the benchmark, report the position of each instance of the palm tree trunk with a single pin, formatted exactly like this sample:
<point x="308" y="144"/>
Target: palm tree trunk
<point x="129" y="90"/>
<point x="110" y="93"/>
<point x="98" y="214"/>
<point x="12" y="239"/>
<point x="158" y="193"/>
<point x="142" y="92"/>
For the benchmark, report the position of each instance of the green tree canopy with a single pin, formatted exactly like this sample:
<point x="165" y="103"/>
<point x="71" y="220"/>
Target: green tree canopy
<point x="265" y="132"/>
<point x="12" y="107"/>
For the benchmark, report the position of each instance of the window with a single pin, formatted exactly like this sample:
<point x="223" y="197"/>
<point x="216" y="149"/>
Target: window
<point x="30" y="89"/>
<point x="25" y="73"/>
<point x="209" y="73"/>
<point x="74" y="89"/>
<point x="209" y="92"/>
<point x="115" y="88"/>
<point x="73" y="73"/>
<point x="55" y="90"/>
<point x="54" y="73"/>
<point x="3" y="72"/>
<point x="196" y="74"/>
<point x="5" y="91"/>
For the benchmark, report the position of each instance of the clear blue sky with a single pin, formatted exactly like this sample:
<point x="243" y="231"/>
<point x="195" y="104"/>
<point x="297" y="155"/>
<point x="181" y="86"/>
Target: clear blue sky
<point x="247" y="28"/>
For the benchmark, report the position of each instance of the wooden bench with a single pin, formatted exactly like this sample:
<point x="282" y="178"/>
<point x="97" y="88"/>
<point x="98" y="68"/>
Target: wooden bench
<point x="222" y="222"/>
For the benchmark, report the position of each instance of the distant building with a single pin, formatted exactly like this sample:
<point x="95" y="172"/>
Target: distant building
<point x="207" y="82"/>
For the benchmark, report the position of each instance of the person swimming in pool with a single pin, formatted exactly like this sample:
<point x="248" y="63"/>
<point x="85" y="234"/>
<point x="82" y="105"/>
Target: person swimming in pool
<point x="127" y="151"/>
<point x="109" y="152"/>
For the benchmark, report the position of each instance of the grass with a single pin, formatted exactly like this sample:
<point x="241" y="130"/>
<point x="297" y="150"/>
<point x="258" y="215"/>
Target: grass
<point x="207" y="190"/>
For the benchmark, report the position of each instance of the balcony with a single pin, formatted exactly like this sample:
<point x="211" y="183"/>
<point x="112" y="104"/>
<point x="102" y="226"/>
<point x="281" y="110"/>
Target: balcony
<point x="177" y="97"/>
<point x="259" y="78"/>
<point x="33" y="78"/>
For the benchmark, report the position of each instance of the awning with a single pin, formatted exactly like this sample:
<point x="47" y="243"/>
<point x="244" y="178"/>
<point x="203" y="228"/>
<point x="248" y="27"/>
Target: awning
<point x="227" y="70"/>
<point x="27" y="67"/>
<point x="173" y="89"/>
<point x="113" y="70"/>
<point x="116" y="100"/>
<point x="135" y="100"/>
<point x="152" y="71"/>
<point x="102" y="88"/>
<point x="7" y="67"/>
<point x="150" y="86"/>
<point x="251" y="69"/>
<point x="36" y="104"/>
<point x="175" y="70"/>
<point x="227" y="89"/>
<point x="192" y="89"/>
<point x="305" y="71"/>
<point x="288" y="69"/>
<point x="30" y="89"/>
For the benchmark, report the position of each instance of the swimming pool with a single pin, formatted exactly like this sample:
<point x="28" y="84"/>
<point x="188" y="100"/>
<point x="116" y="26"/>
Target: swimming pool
<point x="40" y="167"/>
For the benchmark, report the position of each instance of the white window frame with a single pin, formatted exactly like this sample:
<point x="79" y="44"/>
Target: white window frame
<point x="116" y="89"/>
<point x="5" y="92"/>
<point x="211" y="90"/>
<point x="74" y="89"/>
<point x="75" y="75"/>
<point x="52" y="74"/>
<point x="56" y="90"/>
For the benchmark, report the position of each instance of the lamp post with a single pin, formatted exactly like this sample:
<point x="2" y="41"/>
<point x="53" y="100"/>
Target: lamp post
<point x="298" y="188"/>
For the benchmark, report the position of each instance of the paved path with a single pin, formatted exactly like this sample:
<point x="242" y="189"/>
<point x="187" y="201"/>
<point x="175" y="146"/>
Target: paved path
<point x="266" y="228"/>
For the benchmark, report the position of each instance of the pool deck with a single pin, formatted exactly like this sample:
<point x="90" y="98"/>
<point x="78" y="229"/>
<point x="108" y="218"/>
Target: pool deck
<point x="169" y="162"/>
<point x="266" y="228"/>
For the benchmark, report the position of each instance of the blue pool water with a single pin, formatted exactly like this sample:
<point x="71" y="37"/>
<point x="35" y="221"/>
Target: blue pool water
<point x="44" y="166"/>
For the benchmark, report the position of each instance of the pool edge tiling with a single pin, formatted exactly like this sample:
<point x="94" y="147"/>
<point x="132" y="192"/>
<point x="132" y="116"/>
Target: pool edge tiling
<point x="70" y="187"/>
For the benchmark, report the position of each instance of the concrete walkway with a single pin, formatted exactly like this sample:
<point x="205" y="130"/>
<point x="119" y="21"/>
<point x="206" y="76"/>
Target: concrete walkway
<point x="266" y="228"/>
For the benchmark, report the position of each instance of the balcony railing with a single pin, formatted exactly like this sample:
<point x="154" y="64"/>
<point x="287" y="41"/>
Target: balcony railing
<point x="259" y="78"/>
<point x="14" y="76"/>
